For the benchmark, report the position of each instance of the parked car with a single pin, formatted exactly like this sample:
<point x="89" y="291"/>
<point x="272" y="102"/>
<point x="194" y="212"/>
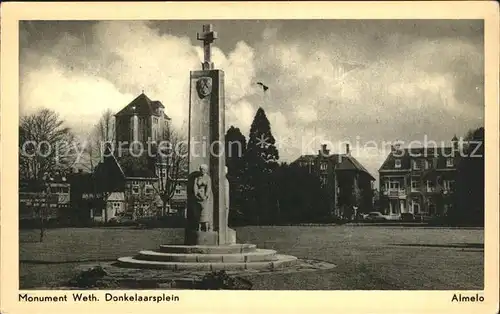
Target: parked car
<point x="393" y="217"/>
<point x="407" y="217"/>
<point x="423" y="217"/>
<point x="375" y="216"/>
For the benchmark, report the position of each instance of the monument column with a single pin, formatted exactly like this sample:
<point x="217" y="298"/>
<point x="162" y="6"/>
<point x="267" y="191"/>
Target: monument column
<point x="209" y="244"/>
<point x="206" y="146"/>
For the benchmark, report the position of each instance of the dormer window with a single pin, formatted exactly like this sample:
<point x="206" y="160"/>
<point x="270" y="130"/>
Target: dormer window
<point x="397" y="163"/>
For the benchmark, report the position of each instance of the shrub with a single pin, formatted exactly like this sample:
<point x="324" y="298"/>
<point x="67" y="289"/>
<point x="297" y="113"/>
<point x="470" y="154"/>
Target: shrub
<point x="93" y="278"/>
<point x="222" y="281"/>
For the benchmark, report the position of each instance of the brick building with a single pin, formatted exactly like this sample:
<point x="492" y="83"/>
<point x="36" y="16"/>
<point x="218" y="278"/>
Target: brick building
<point x="51" y="196"/>
<point x="419" y="180"/>
<point x="341" y="175"/>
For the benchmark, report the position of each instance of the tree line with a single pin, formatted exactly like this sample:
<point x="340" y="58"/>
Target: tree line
<point x="468" y="197"/>
<point x="263" y="189"/>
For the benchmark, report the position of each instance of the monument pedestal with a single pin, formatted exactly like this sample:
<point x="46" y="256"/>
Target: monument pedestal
<point x="208" y="258"/>
<point x="230" y="236"/>
<point x="201" y="237"/>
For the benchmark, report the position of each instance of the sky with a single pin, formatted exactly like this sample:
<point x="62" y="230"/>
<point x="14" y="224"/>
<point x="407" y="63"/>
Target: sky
<point x="366" y="82"/>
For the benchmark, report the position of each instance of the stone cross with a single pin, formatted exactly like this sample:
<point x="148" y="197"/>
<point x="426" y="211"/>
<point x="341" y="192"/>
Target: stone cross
<point x="208" y="36"/>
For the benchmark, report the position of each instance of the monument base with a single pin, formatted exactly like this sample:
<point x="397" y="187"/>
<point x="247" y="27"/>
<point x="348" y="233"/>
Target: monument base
<point x="208" y="258"/>
<point x="201" y="238"/>
<point x="230" y="236"/>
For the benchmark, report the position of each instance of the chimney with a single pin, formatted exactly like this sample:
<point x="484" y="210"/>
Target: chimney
<point x="396" y="146"/>
<point x="324" y="151"/>
<point x="454" y="142"/>
<point x="347" y="149"/>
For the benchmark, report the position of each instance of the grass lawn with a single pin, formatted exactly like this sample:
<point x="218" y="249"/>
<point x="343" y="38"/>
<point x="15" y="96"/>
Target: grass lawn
<point x="367" y="257"/>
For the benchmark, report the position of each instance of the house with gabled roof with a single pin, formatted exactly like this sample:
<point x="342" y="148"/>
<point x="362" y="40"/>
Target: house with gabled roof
<point x="419" y="180"/>
<point x="341" y="175"/>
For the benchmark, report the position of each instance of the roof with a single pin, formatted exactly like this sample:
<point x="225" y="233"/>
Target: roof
<point x="438" y="155"/>
<point x="136" y="167"/>
<point x="341" y="162"/>
<point x="351" y="163"/>
<point x="142" y="105"/>
<point x="116" y="196"/>
<point x="306" y="158"/>
<point x="348" y="162"/>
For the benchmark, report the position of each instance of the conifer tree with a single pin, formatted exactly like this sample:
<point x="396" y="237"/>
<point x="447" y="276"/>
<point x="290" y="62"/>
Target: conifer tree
<point x="261" y="150"/>
<point x="261" y="160"/>
<point x="235" y="161"/>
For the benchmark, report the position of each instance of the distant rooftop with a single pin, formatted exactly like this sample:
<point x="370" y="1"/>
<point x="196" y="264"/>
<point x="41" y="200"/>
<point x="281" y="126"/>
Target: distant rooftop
<point x="143" y="105"/>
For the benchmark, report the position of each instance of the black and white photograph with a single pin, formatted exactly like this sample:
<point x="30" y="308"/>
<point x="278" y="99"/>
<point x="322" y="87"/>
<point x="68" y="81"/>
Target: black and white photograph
<point x="251" y="154"/>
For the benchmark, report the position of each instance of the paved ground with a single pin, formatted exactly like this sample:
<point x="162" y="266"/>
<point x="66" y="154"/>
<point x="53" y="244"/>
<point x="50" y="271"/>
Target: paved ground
<point x="367" y="257"/>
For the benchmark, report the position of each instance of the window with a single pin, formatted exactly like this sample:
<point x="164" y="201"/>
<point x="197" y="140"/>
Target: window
<point x="135" y="187"/>
<point x="116" y="207"/>
<point x="148" y="189"/>
<point x="415" y="207"/>
<point x="430" y="186"/>
<point x="449" y="162"/>
<point x="97" y="212"/>
<point x="324" y="166"/>
<point x="427" y="164"/>
<point x="414" y="185"/>
<point x="448" y="185"/>
<point x="394" y="185"/>
<point x="397" y="163"/>
<point x="178" y="189"/>
<point x="144" y="209"/>
<point x="65" y="189"/>
<point x="416" y="165"/>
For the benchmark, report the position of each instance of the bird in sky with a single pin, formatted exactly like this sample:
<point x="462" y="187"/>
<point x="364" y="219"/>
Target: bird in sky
<point x="264" y="87"/>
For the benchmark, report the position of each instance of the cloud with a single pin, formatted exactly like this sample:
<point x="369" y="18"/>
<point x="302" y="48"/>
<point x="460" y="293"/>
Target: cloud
<point x="240" y="115"/>
<point x="77" y="97"/>
<point x="82" y="76"/>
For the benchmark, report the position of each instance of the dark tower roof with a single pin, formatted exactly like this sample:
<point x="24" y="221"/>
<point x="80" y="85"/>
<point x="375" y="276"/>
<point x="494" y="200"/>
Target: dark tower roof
<point x="142" y="106"/>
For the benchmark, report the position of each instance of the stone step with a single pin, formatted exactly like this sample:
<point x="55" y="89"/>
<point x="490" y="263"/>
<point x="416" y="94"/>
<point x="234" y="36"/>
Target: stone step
<point x="208" y="249"/>
<point x="279" y="262"/>
<point x="259" y="255"/>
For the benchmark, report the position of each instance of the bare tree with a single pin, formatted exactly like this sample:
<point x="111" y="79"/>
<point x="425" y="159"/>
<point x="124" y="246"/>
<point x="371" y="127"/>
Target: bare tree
<point x="100" y="136"/>
<point x="172" y="161"/>
<point x="45" y="145"/>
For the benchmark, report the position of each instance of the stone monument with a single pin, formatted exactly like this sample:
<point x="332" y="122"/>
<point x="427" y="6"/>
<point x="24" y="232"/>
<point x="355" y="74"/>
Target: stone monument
<point x="206" y="142"/>
<point x="209" y="244"/>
